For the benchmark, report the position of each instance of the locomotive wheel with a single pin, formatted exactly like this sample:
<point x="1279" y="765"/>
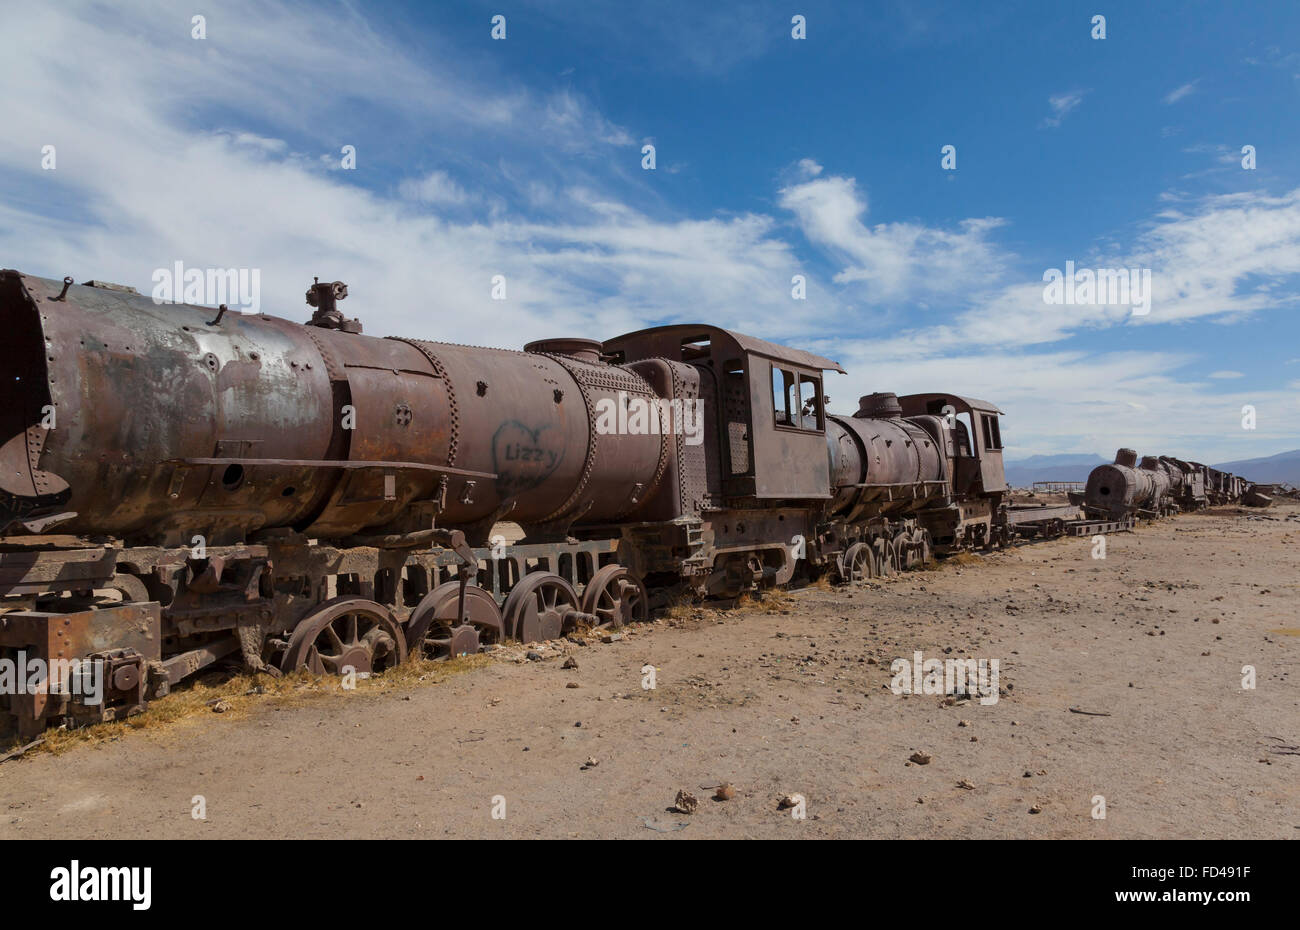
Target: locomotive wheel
<point x="537" y="607"/>
<point x="886" y="559"/>
<point x="859" y="564"/>
<point x="345" y="631"/>
<point x="911" y="549"/>
<point x="926" y="547"/>
<point x="130" y="587"/>
<point x="616" y="596"/>
<point x="432" y="629"/>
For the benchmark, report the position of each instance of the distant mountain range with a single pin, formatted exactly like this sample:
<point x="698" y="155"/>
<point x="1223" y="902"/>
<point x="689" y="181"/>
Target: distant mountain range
<point x="1273" y="469"/>
<point x="1068" y="467"/>
<point x="1285" y="466"/>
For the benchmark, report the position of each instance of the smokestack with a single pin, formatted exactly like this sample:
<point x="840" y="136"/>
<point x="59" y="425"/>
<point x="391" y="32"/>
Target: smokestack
<point x="883" y="404"/>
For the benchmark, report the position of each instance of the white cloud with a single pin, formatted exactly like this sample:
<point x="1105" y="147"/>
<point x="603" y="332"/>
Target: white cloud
<point x="809" y="168"/>
<point x="892" y="260"/>
<point x="142" y="182"/>
<point x="1224" y="257"/>
<point x="1226" y="374"/>
<point x="261" y="143"/>
<point x="434" y="187"/>
<point x="571" y="124"/>
<point x="1227" y="254"/>
<point x="1061" y="105"/>
<point x="1180" y="92"/>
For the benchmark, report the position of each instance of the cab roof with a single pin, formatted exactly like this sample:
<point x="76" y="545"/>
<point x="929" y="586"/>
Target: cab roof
<point x="667" y="341"/>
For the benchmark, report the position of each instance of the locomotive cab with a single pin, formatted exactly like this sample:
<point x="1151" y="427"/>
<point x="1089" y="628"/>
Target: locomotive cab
<point x="976" y="439"/>
<point x="770" y="407"/>
<point x="971" y="439"/>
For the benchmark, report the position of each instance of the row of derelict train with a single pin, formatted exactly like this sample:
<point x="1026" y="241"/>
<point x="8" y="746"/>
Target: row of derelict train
<point x="1161" y="485"/>
<point x="181" y="487"/>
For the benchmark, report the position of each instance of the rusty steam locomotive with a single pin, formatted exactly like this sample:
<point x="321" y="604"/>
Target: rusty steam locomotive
<point x="181" y="486"/>
<point x="1159" y="486"/>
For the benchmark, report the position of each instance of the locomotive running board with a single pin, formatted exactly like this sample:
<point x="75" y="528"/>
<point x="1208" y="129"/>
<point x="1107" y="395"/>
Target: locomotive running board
<point x="342" y="463"/>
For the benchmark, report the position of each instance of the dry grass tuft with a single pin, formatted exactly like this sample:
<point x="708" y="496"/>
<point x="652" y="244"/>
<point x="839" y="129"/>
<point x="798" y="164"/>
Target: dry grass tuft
<point x="242" y="693"/>
<point x="957" y="560"/>
<point x="680" y="607"/>
<point x="770" y="601"/>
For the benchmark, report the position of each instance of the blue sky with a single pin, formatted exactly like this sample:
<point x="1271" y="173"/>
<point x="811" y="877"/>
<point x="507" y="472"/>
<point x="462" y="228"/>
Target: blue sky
<point x="775" y="157"/>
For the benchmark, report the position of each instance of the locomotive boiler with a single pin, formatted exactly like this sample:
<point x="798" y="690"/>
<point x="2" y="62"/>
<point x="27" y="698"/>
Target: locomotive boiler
<point x="155" y="423"/>
<point x="1122" y="488"/>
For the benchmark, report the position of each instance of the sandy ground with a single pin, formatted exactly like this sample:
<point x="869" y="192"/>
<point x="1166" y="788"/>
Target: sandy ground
<point x="791" y="701"/>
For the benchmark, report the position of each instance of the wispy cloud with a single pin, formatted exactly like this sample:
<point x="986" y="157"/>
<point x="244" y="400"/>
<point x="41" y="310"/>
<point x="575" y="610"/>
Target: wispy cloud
<point x="892" y="260"/>
<point x="1179" y="93"/>
<point x="808" y="168"/>
<point x="435" y="187"/>
<point x="1224" y="257"/>
<point x="1062" y="105"/>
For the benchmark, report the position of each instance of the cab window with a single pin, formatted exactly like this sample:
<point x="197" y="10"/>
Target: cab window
<point x="783" y="392"/>
<point x="797" y="400"/>
<point x="810" y="403"/>
<point x="992" y="435"/>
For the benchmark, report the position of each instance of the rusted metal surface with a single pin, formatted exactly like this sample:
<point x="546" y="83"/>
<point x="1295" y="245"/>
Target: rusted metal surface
<point x="542" y="606"/>
<point x="1157" y="486"/>
<point x="762" y="442"/>
<point x="683" y="340"/>
<point x="454" y="620"/>
<point x="346" y="633"/>
<point x="124" y="640"/>
<point x="1256" y="498"/>
<point x="616" y="597"/>
<point x="977" y="435"/>
<point x="1031" y="514"/>
<point x="886" y="464"/>
<point x="1119" y="489"/>
<point x="1096" y="527"/>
